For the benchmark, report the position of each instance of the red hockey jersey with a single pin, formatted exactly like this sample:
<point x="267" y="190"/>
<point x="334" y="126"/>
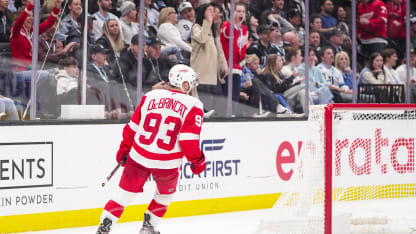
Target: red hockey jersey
<point x="396" y="12"/>
<point x="165" y="127"/>
<point x="239" y="45"/>
<point x="376" y="12"/>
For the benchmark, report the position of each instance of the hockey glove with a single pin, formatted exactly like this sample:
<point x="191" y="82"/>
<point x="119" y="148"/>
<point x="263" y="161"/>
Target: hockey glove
<point x="200" y="165"/>
<point x="121" y="156"/>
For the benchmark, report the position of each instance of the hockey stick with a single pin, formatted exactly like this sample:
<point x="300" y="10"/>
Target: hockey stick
<point x="114" y="170"/>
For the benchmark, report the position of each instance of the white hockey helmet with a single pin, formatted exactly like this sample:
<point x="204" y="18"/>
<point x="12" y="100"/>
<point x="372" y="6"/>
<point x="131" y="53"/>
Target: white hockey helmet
<point x="179" y="74"/>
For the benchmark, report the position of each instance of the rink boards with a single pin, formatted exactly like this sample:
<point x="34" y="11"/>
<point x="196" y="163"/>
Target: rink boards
<point x="51" y="175"/>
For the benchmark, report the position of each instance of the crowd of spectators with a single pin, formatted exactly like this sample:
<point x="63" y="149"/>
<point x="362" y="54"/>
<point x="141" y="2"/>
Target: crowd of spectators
<point x="268" y="69"/>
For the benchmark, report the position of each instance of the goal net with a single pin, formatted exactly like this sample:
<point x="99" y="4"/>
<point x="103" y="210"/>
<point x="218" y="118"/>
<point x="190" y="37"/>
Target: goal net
<point x="355" y="173"/>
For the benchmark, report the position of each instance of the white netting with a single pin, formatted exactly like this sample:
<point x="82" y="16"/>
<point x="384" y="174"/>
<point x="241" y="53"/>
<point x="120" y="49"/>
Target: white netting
<point x="373" y="175"/>
<point x="301" y="208"/>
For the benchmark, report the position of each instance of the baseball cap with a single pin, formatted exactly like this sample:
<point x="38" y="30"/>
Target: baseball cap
<point x="184" y="5"/>
<point x="334" y="32"/>
<point x="263" y="28"/>
<point x="274" y="24"/>
<point x="153" y="40"/>
<point x="98" y="48"/>
<point x="293" y="12"/>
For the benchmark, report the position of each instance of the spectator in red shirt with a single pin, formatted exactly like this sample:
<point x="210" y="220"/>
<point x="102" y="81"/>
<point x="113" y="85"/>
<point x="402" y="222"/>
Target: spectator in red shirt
<point x="396" y="10"/>
<point x="371" y="26"/>
<point x="21" y="34"/>
<point x="239" y="47"/>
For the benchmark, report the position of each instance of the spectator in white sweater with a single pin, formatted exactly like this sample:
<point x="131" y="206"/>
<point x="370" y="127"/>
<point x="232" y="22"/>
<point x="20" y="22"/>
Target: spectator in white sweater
<point x="390" y="60"/>
<point x="67" y="77"/>
<point x="168" y="32"/>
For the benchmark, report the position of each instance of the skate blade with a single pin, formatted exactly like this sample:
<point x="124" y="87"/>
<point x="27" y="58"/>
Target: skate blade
<point x="148" y="231"/>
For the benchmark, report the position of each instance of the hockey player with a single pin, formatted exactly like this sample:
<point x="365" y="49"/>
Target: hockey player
<point x="164" y="128"/>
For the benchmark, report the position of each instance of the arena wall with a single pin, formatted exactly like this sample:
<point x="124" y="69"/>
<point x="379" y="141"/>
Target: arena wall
<point x="51" y="175"/>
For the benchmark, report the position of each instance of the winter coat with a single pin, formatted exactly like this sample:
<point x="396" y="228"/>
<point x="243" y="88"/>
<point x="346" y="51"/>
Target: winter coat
<point x="207" y="57"/>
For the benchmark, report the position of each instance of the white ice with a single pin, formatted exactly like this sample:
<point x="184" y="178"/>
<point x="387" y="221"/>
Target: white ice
<point x="244" y="222"/>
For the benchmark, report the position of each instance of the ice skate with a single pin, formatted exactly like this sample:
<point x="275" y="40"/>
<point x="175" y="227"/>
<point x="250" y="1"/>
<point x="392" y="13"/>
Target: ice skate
<point x="105" y="226"/>
<point x="147" y="228"/>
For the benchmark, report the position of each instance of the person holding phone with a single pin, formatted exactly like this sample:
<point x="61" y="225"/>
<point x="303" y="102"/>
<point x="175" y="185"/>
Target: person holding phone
<point x="207" y="57"/>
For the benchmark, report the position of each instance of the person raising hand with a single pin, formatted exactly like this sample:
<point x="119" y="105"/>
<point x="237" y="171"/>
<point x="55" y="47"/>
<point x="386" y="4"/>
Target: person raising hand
<point x="22" y="34"/>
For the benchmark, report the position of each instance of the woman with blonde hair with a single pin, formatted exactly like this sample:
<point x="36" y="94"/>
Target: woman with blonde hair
<point x="168" y="32"/>
<point x="293" y="92"/>
<point x="112" y="40"/>
<point x="254" y="91"/>
<point x="342" y="63"/>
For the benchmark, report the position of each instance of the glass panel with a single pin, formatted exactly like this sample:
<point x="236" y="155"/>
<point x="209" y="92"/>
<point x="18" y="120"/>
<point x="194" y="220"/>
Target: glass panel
<point x="330" y="37"/>
<point x="15" y="75"/>
<point x="258" y="54"/>
<point x="263" y="56"/>
<point x="381" y="34"/>
<point x="412" y="44"/>
<point x="62" y="93"/>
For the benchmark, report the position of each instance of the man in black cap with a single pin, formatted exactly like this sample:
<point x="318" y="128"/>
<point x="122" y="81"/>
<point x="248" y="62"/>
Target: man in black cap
<point x="128" y="63"/>
<point x="294" y="17"/>
<point x="262" y="47"/>
<point x="155" y="65"/>
<point x="335" y="40"/>
<point x="98" y="79"/>
<point x="98" y="65"/>
<point x="125" y="72"/>
<point x="276" y="39"/>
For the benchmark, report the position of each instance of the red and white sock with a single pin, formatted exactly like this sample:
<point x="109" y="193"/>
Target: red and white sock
<point x="113" y="211"/>
<point x="158" y="207"/>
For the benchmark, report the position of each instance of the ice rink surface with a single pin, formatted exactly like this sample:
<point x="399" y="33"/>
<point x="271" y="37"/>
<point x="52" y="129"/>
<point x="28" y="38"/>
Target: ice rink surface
<point x="243" y="222"/>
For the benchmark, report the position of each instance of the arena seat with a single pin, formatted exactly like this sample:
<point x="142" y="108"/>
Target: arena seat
<point x="381" y="93"/>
